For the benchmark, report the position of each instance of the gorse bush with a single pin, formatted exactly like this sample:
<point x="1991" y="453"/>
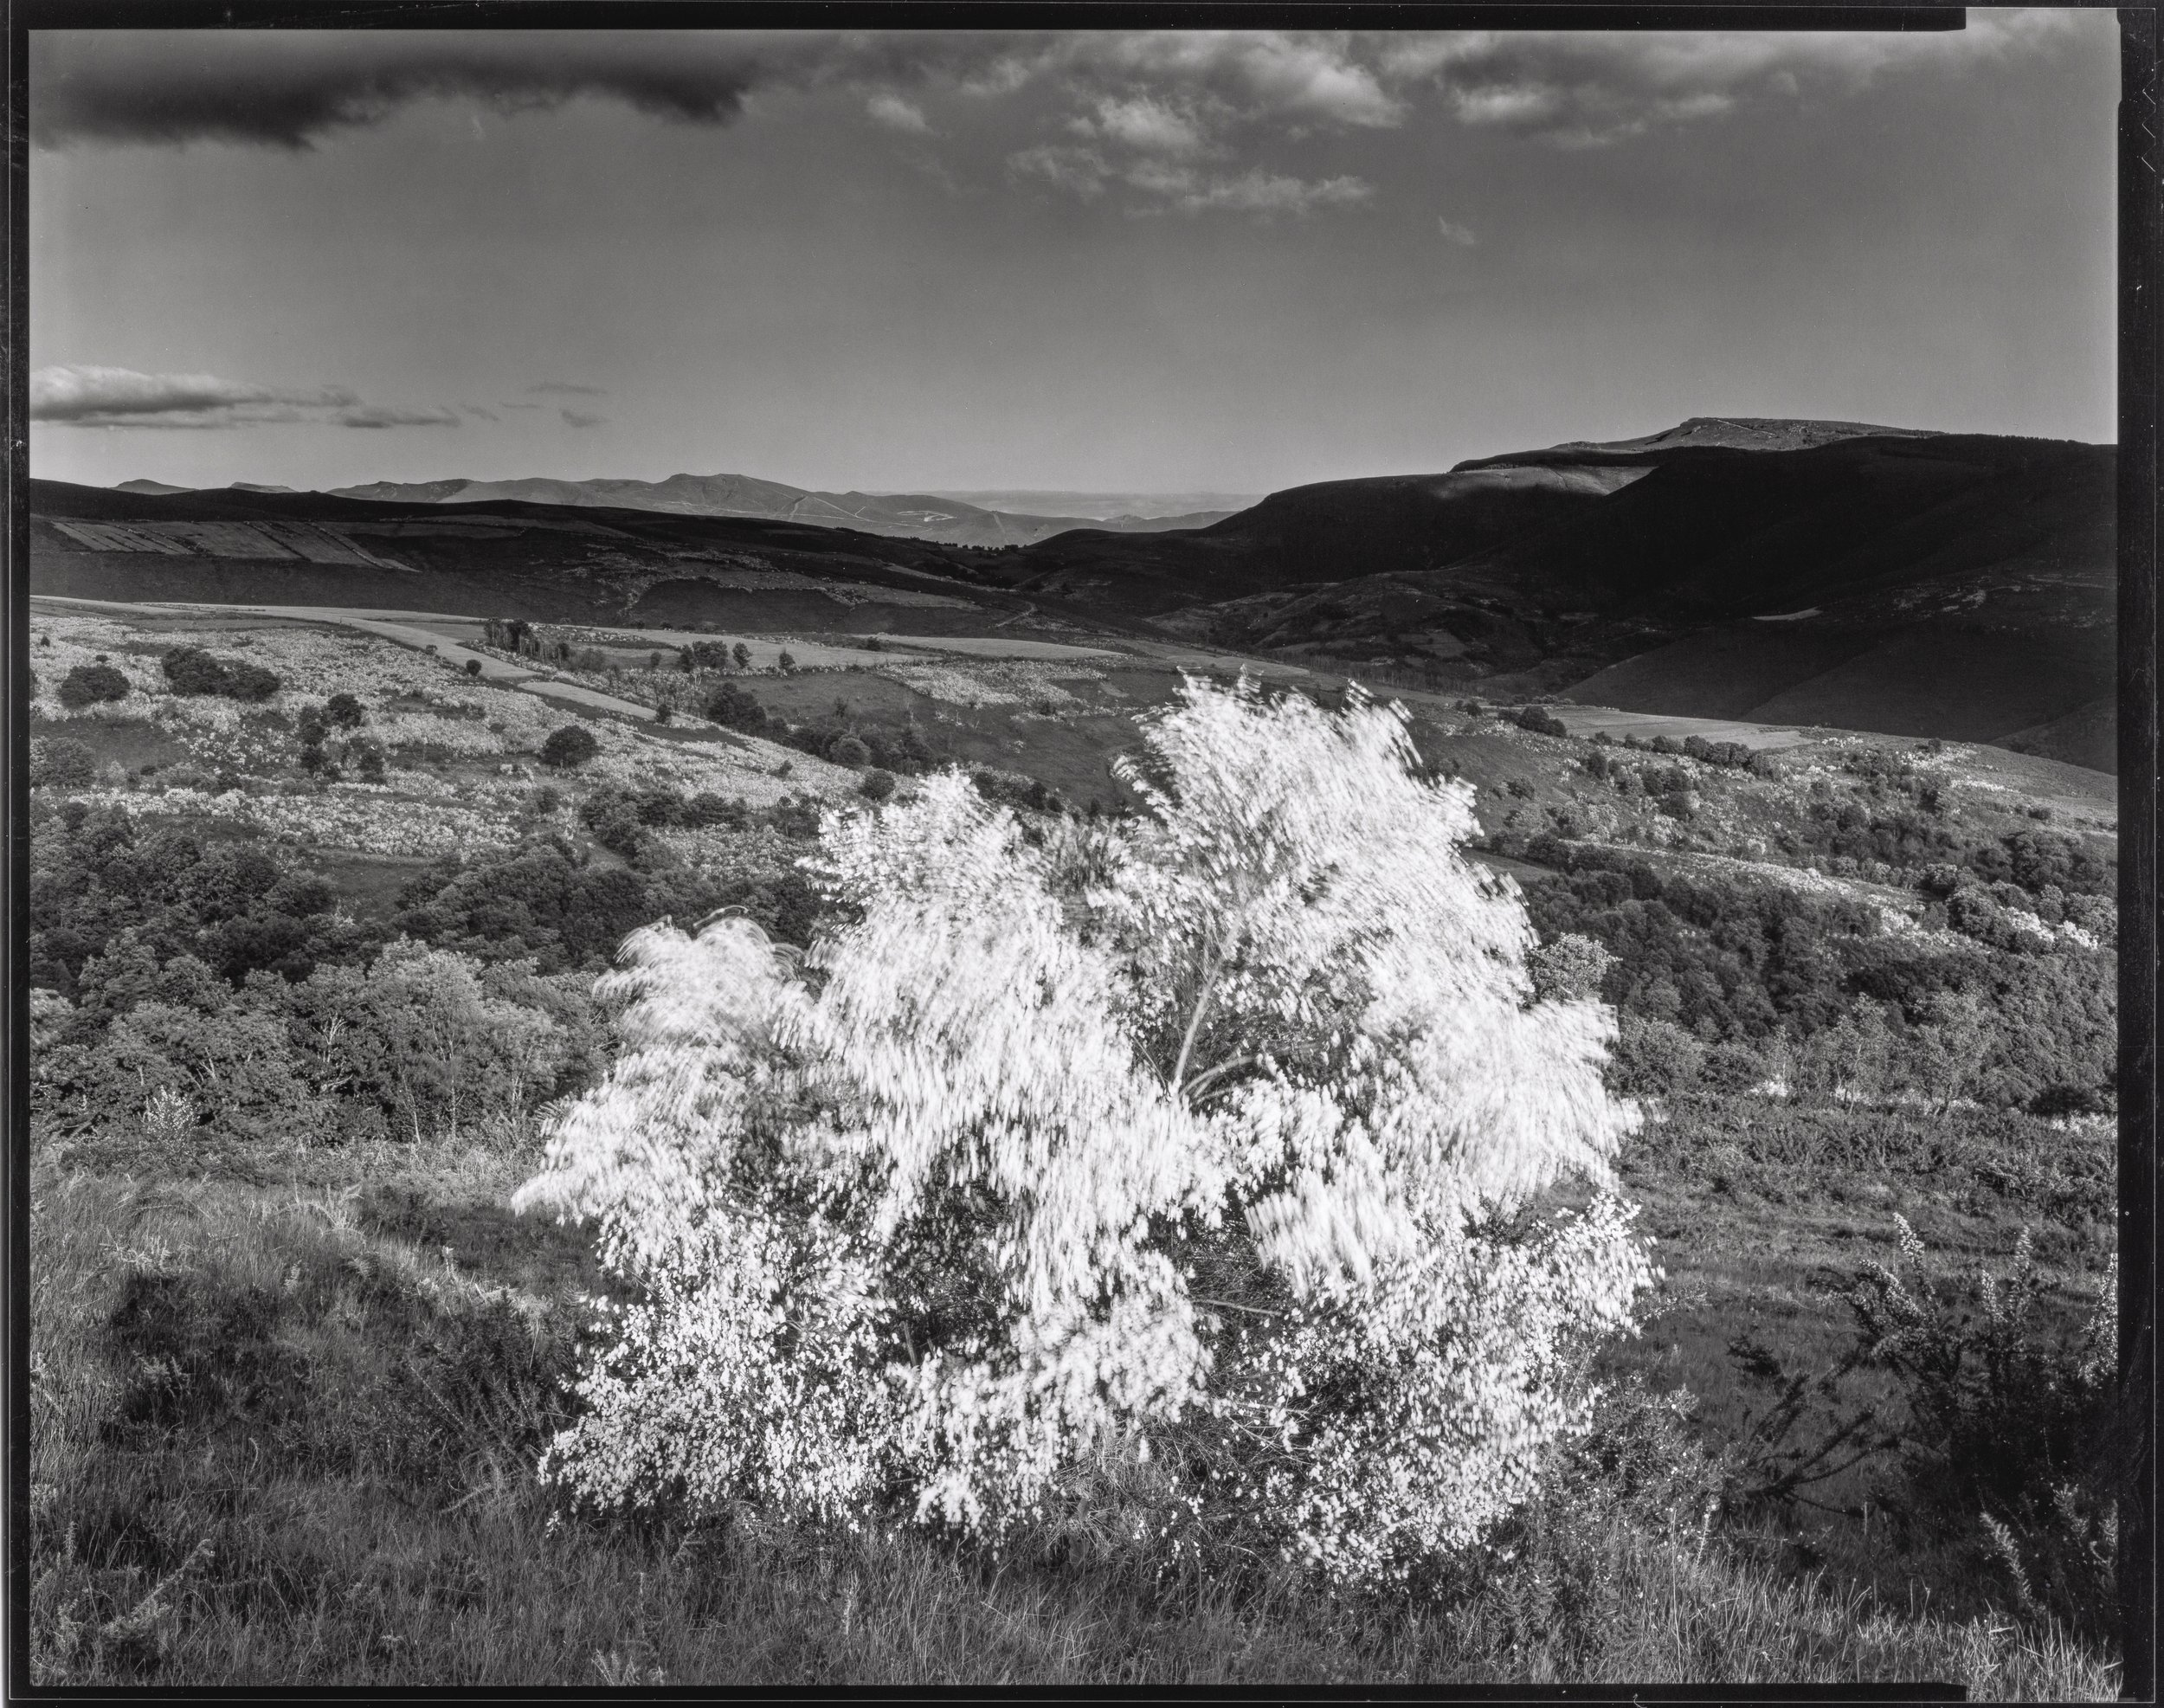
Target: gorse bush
<point x="89" y="684"/>
<point x="919" y="1224"/>
<point x="193" y="671"/>
<point x="569" y="746"/>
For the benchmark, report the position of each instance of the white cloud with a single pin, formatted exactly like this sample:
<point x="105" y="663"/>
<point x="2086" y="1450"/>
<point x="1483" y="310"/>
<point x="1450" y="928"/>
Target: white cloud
<point x="1261" y="74"/>
<point x="1462" y="236"/>
<point x="1080" y="171"/>
<point x="371" y="415"/>
<point x="891" y="110"/>
<point x="1149" y="126"/>
<point x="1256" y="191"/>
<point x="83" y="395"/>
<point x="1222" y="96"/>
<point x="1590" y="89"/>
<point x="1170" y="186"/>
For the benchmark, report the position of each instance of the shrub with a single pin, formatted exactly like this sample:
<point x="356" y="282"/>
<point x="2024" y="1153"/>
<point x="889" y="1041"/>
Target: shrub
<point x="345" y="711"/>
<point x="1570" y="969"/>
<point x="1541" y="723"/>
<point x="419" y="1034"/>
<point x="707" y="809"/>
<point x="473" y="667"/>
<point x="247" y="681"/>
<point x="1732" y="1068"/>
<point x="2011" y="1436"/>
<point x="569" y="745"/>
<point x="786" y="662"/>
<point x="192" y="671"/>
<point x="613" y="820"/>
<point x="91" y="684"/>
<point x="734" y="709"/>
<point x="849" y="751"/>
<point x="1655" y="1058"/>
<point x="62" y="762"/>
<point x="877" y="786"/>
<point x="232" y="1068"/>
<point x="368" y="759"/>
<point x="931" y="1224"/>
<point x="742" y="653"/>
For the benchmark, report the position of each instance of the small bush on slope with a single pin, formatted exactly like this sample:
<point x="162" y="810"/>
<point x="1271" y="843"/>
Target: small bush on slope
<point x="2009" y="1433"/>
<point x="89" y="684"/>
<point x="925" y="1230"/>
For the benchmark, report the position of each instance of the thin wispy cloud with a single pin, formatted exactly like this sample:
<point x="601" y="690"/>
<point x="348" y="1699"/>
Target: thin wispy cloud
<point x="1159" y="186"/>
<point x="371" y="417"/>
<point x="1256" y="192"/>
<point x="83" y="395"/>
<point x="1464" y="236"/>
<point x="565" y="389"/>
<point x="581" y="419"/>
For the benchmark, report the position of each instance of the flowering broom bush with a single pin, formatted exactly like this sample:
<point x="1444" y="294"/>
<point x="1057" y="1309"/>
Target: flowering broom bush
<point x="925" y="1221"/>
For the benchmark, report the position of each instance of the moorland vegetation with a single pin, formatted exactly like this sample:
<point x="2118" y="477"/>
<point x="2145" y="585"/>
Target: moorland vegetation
<point x="285" y="1089"/>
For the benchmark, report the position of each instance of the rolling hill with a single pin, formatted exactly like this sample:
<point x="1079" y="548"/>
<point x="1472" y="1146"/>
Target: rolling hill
<point x="1774" y="572"/>
<point x="512" y="558"/>
<point x="1931" y="585"/>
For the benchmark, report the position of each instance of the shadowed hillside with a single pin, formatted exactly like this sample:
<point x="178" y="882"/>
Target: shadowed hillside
<point x="507" y="559"/>
<point x="1788" y="572"/>
<point x="1950" y="585"/>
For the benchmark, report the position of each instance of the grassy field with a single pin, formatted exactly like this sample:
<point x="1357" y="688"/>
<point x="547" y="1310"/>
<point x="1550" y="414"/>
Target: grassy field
<point x="285" y="1429"/>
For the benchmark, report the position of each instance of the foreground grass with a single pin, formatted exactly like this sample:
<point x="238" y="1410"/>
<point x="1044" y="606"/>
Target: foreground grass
<point x="286" y="1435"/>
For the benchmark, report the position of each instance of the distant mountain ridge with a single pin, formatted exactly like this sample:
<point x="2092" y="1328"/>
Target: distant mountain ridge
<point x="1727" y="433"/>
<point x="901" y="515"/>
<point x="1194" y="509"/>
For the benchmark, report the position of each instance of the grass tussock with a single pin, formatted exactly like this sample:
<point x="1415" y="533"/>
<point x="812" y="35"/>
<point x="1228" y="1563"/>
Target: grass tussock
<point x="288" y="1436"/>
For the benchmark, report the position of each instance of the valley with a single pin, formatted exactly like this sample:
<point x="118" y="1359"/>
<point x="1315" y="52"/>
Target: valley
<point x="1856" y="918"/>
<point x="1772" y="572"/>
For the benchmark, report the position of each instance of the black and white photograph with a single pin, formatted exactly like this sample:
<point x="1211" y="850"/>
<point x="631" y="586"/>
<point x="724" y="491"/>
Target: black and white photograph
<point x="1196" y="854"/>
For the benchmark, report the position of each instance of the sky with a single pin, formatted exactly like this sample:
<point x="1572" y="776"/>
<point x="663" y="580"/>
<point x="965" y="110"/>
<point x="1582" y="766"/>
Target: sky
<point x="1137" y="262"/>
